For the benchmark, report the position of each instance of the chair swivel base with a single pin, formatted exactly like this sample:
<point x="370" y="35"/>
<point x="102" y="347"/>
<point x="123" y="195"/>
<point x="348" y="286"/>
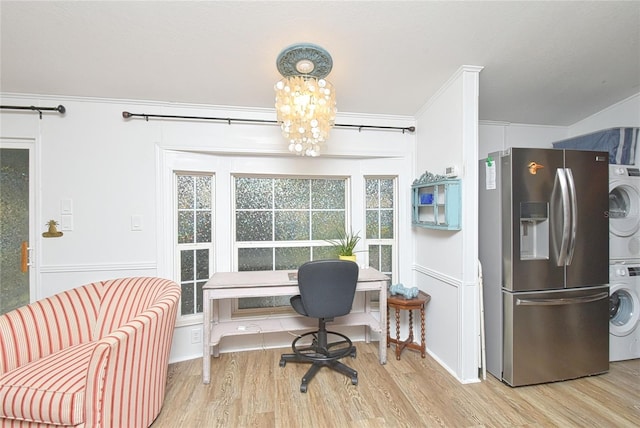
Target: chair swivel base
<point x="321" y="356"/>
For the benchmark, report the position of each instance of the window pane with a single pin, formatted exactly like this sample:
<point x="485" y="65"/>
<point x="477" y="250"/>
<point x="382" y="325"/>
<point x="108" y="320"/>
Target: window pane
<point x="291" y="193"/>
<point x="202" y="264"/>
<point x="185" y="227"/>
<point x="263" y="302"/>
<point x="187" y="299"/>
<point x="328" y="194"/>
<point x="386" y="193"/>
<point x="292" y="257"/>
<point x="254" y="193"/>
<point x="371" y="194"/>
<point x="203" y="226"/>
<point x="186" y="265"/>
<point x="203" y="192"/>
<point x="255" y="259"/>
<point x="199" y="296"/>
<point x="374" y="256"/>
<point x="291" y="225"/>
<point x="185" y="191"/>
<point x="326" y="224"/>
<point x="385" y="259"/>
<point x="254" y="226"/>
<point x="386" y="226"/>
<point x="373" y="227"/>
<point x="323" y="253"/>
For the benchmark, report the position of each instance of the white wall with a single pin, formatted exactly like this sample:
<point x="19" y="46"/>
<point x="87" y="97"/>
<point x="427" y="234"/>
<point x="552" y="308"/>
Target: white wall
<point x="446" y="261"/>
<point x="498" y="136"/>
<point x="626" y="113"/>
<point x="109" y="168"/>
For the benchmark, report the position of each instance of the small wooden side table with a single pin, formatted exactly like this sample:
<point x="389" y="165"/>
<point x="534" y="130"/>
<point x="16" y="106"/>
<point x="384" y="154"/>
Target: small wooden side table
<point x="399" y="303"/>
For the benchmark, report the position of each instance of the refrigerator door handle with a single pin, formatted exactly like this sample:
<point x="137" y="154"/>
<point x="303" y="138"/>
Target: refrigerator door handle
<point x="561" y="181"/>
<point x="557" y="302"/>
<point x="574" y="214"/>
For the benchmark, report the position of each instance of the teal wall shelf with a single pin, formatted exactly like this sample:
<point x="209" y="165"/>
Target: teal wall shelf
<point x="437" y="204"/>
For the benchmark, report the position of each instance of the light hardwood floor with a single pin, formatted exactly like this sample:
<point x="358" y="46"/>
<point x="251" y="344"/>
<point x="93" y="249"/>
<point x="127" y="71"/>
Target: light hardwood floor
<point x="249" y="389"/>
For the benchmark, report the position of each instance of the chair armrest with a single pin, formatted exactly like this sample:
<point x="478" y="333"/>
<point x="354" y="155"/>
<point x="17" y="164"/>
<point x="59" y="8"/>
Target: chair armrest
<point x="127" y="373"/>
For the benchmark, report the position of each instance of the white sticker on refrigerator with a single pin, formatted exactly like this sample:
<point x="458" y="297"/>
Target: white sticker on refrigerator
<point x="490" y="174"/>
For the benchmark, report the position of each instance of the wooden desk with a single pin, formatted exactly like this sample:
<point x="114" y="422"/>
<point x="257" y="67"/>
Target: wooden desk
<point x="231" y="285"/>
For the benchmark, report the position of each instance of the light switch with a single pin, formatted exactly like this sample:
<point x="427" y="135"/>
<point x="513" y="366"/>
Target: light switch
<point x="66" y="206"/>
<point x="136" y="222"/>
<point x="66" y="222"/>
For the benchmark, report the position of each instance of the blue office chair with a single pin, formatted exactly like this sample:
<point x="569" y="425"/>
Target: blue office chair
<point x="327" y="288"/>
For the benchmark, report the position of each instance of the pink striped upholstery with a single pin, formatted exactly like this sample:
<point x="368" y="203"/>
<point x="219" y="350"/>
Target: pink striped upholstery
<point x="95" y="356"/>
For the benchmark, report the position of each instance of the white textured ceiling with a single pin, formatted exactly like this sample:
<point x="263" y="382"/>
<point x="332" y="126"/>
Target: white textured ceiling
<point x="551" y="63"/>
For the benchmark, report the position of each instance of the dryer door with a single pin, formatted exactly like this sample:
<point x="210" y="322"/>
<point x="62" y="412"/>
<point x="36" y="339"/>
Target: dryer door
<point x="624" y="213"/>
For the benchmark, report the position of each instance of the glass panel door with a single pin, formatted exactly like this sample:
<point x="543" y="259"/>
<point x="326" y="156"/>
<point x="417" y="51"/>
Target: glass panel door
<point x="14" y="226"/>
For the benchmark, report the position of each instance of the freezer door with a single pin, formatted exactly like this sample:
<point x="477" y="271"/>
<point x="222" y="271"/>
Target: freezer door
<point x="552" y="336"/>
<point x="589" y="263"/>
<point x="527" y="182"/>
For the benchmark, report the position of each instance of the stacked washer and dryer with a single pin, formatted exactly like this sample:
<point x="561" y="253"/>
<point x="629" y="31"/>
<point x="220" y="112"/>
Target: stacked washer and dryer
<point x="624" y="235"/>
<point x="624" y="265"/>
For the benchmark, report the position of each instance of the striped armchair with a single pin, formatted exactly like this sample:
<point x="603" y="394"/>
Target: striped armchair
<point x="94" y="356"/>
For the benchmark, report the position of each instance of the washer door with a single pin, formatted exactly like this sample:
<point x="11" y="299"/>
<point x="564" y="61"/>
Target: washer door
<point x="624" y="214"/>
<point x="624" y="307"/>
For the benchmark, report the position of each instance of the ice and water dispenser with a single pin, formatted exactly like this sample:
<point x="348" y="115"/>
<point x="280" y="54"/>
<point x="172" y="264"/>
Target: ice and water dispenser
<point x="534" y="230"/>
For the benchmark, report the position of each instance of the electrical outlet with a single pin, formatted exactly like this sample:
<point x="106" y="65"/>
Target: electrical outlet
<point x="196" y="335"/>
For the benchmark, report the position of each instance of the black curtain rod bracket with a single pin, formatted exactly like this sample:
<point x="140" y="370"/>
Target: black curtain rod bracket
<point x="127" y="115"/>
<point x="60" y="109"/>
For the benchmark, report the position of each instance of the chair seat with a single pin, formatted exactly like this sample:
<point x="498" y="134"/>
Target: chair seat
<point x="50" y="390"/>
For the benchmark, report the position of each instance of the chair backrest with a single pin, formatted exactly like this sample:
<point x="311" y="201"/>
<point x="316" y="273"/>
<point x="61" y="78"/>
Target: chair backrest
<point x="125" y="299"/>
<point x="327" y="287"/>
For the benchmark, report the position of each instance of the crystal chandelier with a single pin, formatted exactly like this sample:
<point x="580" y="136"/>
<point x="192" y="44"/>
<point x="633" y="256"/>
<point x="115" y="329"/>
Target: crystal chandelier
<point x="305" y="101"/>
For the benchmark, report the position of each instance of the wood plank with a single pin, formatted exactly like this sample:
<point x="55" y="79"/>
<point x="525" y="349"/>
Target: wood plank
<point x="249" y="389"/>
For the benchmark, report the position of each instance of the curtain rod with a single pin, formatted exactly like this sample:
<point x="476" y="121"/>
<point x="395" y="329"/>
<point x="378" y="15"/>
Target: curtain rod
<point x="60" y="109"/>
<point x="127" y="115"/>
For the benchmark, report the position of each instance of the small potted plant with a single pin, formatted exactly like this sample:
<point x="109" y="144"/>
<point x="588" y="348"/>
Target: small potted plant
<point x="345" y="244"/>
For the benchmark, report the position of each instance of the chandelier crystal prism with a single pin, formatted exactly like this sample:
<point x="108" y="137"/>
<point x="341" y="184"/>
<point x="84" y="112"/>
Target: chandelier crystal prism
<point x="305" y="100"/>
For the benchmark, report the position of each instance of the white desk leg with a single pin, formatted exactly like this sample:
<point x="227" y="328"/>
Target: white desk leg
<point x="206" y="338"/>
<point x="215" y="318"/>
<point x="367" y="309"/>
<point x="383" y="323"/>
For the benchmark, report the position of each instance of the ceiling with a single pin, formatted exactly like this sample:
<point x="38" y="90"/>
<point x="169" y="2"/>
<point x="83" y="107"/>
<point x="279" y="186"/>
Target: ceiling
<point x="551" y="63"/>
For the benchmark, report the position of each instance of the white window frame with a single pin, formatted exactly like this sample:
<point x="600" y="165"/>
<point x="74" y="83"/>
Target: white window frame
<point x="193" y="246"/>
<point x="224" y="166"/>
<point x="271" y="310"/>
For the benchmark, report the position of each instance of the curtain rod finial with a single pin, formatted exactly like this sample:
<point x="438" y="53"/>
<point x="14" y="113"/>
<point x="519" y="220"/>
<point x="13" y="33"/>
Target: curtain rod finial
<point x="126" y="114"/>
<point x="61" y="109"/>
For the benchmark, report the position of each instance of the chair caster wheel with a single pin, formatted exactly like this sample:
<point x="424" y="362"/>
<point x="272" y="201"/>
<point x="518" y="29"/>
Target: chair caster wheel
<point x="283" y="363"/>
<point x="354" y="380"/>
<point x="303" y="388"/>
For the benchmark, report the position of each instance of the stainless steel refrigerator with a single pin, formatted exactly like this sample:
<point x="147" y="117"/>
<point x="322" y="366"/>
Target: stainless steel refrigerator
<point x="544" y="250"/>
